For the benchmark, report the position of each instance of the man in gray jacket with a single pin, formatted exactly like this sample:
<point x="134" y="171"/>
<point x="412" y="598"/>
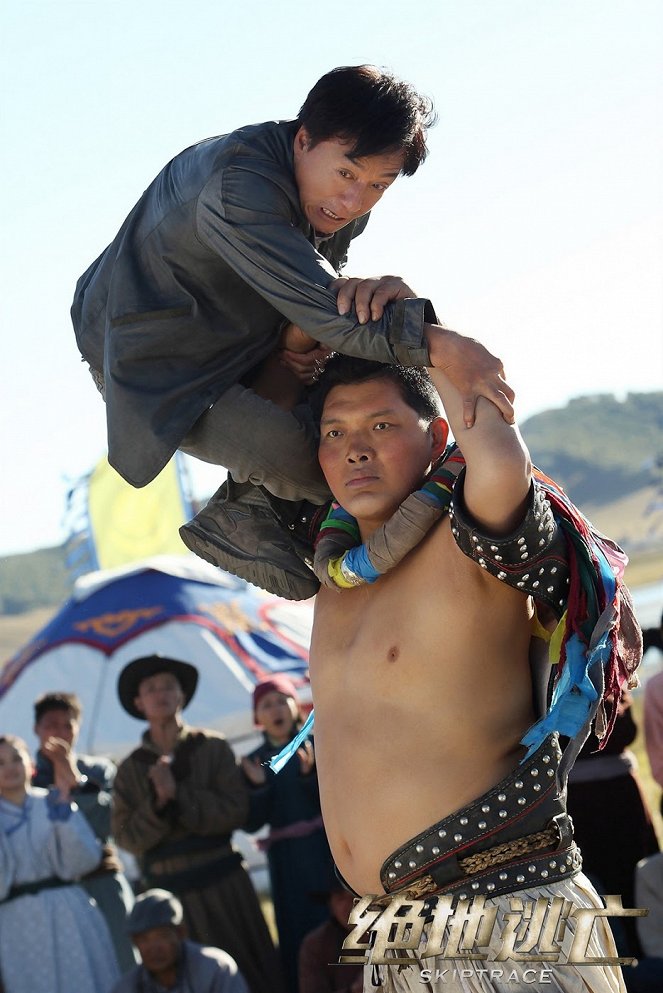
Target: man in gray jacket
<point x="237" y="238"/>
<point x="169" y="960"/>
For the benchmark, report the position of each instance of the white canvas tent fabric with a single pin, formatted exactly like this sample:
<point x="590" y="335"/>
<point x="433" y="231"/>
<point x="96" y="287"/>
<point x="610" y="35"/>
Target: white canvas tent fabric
<point x="233" y="633"/>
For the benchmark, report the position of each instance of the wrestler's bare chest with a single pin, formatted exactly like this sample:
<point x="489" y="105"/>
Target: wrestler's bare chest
<point x="433" y="610"/>
<point x="421" y="689"/>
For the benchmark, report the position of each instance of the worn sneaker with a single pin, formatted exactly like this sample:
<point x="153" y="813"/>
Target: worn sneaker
<point x="241" y="532"/>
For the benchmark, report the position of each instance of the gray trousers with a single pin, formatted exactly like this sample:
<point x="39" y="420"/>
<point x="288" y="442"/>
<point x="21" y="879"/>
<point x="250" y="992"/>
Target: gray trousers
<point x="439" y="974"/>
<point x="257" y="442"/>
<point x="260" y="443"/>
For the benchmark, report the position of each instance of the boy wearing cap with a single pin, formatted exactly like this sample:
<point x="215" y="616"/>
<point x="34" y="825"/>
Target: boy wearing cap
<point x="169" y="960"/>
<point x="178" y="798"/>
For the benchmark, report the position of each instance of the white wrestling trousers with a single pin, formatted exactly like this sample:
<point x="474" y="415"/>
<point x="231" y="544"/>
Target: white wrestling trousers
<point x="443" y="975"/>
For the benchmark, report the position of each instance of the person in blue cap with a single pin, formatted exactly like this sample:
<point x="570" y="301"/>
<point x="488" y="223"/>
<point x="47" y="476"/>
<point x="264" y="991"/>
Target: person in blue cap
<point x="169" y="961"/>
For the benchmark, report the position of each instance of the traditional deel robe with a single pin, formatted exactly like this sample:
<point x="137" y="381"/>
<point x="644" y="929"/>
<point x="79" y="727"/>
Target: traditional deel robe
<point x="214" y="259"/>
<point x="106" y="884"/>
<point x="200" y="970"/>
<point x="53" y="940"/>
<point x="300" y="862"/>
<point x="186" y="847"/>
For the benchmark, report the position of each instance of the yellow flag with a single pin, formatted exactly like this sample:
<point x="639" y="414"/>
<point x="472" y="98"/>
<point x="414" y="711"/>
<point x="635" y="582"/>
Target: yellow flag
<point x="129" y="524"/>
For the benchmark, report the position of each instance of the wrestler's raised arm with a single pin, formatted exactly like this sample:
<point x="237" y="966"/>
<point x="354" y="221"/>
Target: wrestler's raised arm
<point x="498" y="473"/>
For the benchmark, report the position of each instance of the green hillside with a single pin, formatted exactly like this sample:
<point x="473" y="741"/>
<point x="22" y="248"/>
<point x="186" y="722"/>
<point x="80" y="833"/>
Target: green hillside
<point x="36" y="579"/>
<point x="606" y="453"/>
<point x="599" y="448"/>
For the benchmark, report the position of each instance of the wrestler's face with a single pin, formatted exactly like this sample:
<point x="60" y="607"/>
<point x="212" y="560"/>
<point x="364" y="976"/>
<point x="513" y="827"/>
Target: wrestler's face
<point x="335" y="189"/>
<point x="159" y="948"/>
<point x="159" y="696"/>
<point x="375" y="449"/>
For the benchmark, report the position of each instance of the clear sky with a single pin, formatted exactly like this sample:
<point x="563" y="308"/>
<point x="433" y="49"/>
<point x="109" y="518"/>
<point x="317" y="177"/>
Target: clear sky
<point x="536" y="224"/>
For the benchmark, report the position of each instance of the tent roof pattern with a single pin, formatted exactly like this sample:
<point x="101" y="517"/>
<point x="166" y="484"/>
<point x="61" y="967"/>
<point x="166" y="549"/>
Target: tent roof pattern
<point x="108" y="609"/>
<point x="232" y="632"/>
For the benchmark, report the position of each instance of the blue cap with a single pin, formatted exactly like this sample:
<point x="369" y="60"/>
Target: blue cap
<point x="154" y="908"/>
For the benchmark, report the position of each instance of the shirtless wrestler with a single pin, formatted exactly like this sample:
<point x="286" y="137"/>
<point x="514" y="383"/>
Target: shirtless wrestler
<point x="421" y="681"/>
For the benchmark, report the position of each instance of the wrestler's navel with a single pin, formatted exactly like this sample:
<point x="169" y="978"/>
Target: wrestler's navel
<point x="393" y="653"/>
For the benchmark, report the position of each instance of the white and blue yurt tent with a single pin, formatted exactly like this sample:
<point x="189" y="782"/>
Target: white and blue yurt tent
<point x="179" y="607"/>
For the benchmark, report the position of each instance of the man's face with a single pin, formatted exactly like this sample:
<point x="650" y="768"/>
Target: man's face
<point x="375" y="449"/>
<point x="159" y="696"/>
<point x="159" y="948"/>
<point x="57" y="724"/>
<point x="335" y="189"/>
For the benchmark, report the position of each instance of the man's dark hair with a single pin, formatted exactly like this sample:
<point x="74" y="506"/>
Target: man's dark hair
<point x="58" y="701"/>
<point x="371" y="108"/>
<point x="414" y="384"/>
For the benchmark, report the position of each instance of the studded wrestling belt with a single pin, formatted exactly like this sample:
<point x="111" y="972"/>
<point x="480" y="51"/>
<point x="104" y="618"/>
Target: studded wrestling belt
<point x="515" y="836"/>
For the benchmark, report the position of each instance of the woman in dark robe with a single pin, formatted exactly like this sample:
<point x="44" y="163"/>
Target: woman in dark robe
<point x="300" y="863"/>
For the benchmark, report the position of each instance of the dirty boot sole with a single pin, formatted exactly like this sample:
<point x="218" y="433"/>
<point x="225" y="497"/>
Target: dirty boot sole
<point x="259" y="571"/>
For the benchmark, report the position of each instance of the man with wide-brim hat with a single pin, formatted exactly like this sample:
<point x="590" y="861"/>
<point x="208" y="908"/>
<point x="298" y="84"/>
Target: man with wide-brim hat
<point x="135" y="672"/>
<point x="178" y="798"/>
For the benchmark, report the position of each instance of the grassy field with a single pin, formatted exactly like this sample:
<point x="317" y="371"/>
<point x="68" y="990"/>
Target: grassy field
<point x="630" y="521"/>
<point x="645" y="568"/>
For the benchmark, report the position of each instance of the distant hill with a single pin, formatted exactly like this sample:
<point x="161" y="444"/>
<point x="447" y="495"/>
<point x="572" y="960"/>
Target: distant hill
<point x="608" y="456"/>
<point x="606" y="453"/>
<point x="35" y="579"/>
<point x="599" y="448"/>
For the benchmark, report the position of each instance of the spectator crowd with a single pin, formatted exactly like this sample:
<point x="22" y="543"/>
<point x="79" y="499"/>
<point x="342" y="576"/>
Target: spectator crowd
<point x="192" y="921"/>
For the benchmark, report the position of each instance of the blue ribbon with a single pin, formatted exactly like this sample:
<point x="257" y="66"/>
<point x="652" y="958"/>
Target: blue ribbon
<point x="278" y="761"/>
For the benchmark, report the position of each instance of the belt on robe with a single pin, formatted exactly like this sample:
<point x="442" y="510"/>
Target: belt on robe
<point x="195" y="877"/>
<point x="30" y="889"/>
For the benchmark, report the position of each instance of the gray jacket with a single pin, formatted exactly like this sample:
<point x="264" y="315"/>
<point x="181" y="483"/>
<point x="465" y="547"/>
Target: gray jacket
<point x="201" y="970"/>
<point x="195" y="288"/>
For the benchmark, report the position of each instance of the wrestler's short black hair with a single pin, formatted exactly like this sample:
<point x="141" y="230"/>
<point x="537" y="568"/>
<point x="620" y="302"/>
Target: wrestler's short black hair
<point x="57" y="701"/>
<point x="414" y="384"/>
<point x="372" y="108"/>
